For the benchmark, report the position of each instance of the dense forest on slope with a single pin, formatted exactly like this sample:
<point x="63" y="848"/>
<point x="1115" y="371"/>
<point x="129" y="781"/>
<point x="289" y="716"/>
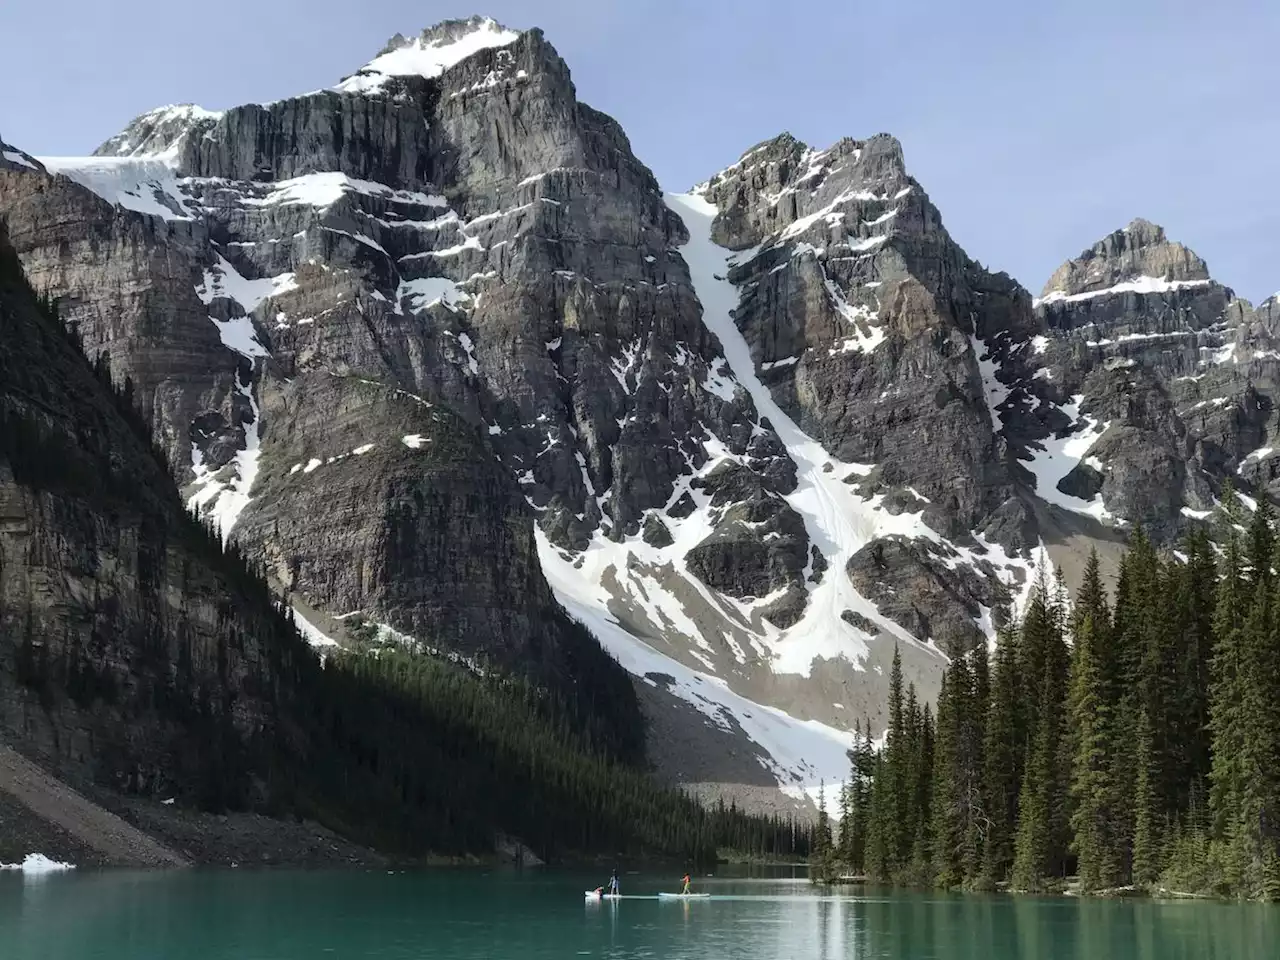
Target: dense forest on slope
<point x="1131" y="741"/>
<point x="401" y="750"/>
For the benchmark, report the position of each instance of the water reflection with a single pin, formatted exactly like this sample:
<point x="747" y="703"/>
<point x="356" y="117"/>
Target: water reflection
<point x="461" y="914"/>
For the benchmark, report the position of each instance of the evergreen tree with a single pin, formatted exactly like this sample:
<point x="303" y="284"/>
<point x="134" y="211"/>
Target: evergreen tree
<point x="948" y="828"/>
<point x="844" y="841"/>
<point x="1147" y="842"/>
<point x="1002" y="759"/>
<point x="1259" y="687"/>
<point x="822" y="859"/>
<point x="1094" y="823"/>
<point x="1040" y="839"/>
<point x="974" y="766"/>
<point x="1226" y="700"/>
<point x="879" y="859"/>
<point x="862" y="758"/>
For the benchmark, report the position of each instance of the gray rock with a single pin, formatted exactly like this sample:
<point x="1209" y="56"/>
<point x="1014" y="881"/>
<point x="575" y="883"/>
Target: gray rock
<point x="655" y="532"/>
<point x="1139" y="250"/>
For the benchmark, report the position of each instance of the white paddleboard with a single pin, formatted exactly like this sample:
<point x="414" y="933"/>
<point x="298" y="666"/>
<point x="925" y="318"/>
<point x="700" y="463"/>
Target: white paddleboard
<point x="593" y="895"/>
<point x="684" y="896"/>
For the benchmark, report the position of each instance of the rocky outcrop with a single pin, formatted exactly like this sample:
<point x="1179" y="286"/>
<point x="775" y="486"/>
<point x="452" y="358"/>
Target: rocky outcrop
<point x="11" y="158"/>
<point x="759" y="544"/>
<point x="866" y="320"/>
<point x="1140" y="251"/>
<point x="127" y="282"/>
<point x="921" y="585"/>
<point x="1169" y="375"/>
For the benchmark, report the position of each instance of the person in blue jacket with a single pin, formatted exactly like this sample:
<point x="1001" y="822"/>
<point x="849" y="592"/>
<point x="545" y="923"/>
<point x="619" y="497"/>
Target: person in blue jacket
<point x="613" y="883"/>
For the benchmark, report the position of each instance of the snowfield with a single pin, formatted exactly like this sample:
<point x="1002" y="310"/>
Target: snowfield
<point x="803" y="753"/>
<point x="418" y="58"/>
<point x="148" y="185"/>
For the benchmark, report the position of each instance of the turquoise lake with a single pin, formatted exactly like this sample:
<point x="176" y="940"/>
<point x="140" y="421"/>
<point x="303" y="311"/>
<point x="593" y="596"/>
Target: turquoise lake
<point x="284" y="915"/>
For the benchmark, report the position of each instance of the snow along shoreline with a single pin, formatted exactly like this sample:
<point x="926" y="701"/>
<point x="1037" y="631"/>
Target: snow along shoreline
<point x="37" y="865"/>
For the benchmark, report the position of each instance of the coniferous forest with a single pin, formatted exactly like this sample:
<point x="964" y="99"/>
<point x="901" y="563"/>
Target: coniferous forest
<point x="1127" y="741"/>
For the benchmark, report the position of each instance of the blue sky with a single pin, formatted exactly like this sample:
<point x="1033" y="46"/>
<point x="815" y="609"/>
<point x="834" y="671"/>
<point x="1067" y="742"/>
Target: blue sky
<point x="1035" y="131"/>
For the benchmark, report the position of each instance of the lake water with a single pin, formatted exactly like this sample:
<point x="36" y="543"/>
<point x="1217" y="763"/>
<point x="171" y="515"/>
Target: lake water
<point x="472" y="914"/>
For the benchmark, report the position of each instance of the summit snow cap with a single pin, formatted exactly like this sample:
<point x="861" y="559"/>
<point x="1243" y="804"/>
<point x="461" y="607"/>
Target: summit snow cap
<point x="437" y="49"/>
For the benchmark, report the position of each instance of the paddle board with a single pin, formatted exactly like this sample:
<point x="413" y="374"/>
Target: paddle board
<point x="684" y="896"/>
<point x="597" y="895"/>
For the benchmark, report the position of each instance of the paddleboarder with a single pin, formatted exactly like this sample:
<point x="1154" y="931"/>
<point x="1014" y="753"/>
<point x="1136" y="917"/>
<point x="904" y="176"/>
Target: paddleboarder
<point x="685" y="891"/>
<point x="613" y="883"/>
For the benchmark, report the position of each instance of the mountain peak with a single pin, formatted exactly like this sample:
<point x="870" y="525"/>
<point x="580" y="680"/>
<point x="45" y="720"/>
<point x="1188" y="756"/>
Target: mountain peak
<point x="430" y="53"/>
<point x="1139" y="258"/>
<point x="156" y="131"/>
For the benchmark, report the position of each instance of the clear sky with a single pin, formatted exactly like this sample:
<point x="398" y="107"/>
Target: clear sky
<point x="1036" y="126"/>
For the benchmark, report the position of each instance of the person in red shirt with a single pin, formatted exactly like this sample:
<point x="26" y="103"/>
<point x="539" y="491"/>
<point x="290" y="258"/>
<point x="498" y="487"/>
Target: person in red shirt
<point x="686" y="884"/>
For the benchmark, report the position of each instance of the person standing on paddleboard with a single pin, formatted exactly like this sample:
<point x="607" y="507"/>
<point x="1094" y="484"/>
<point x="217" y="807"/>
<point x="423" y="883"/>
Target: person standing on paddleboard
<point x="613" y="884"/>
<point x="685" y="891"/>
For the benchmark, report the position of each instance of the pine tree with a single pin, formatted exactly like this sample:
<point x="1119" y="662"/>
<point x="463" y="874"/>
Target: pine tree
<point x="879" y="860"/>
<point x="973" y="766"/>
<point x="864" y="768"/>
<point x="1092" y="711"/>
<point x="1002" y="759"/>
<point x="1226" y="700"/>
<point x="844" y="843"/>
<point x="822" y="859"/>
<point x="948" y="826"/>
<point x="1040" y="839"/>
<point x="1258" y="685"/>
<point x="1147" y="842"/>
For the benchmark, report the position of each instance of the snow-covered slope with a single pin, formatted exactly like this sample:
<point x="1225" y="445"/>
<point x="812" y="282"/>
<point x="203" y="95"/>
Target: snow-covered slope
<point x="801" y="754"/>
<point x="429" y="55"/>
<point x="148" y="185"/>
<point x="838" y="522"/>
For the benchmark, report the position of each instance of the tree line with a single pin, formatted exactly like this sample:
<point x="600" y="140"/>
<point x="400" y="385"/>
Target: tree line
<point x="1128" y="740"/>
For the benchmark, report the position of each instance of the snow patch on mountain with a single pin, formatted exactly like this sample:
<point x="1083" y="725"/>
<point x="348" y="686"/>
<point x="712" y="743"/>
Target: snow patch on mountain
<point x="147" y="185"/>
<point x="426" y="291"/>
<point x="838" y="522"/>
<point x="13" y="156"/>
<point x="1060" y="455"/>
<point x="1136" y="285"/>
<point x="323" y="190"/>
<point x="224" y="280"/>
<point x="994" y="392"/>
<point x="223" y="494"/>
<point x="428" y="56"/>
<point x="311" y="633"/>
<point x="802" y="753"/>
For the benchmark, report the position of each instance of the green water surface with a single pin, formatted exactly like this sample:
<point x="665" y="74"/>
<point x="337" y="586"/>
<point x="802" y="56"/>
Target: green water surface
<point x="464" y="914"/>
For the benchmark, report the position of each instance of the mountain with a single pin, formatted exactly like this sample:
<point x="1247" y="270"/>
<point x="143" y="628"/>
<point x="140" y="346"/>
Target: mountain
<point x="142" y="659"/>
<point x="1168" y="370"/>
<point x="435" y="349"/>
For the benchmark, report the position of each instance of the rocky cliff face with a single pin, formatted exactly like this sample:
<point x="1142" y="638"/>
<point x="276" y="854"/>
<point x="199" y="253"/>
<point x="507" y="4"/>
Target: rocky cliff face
<point x="129" y="655"/>
<point x="433" y="346"/>
<point x="1167" y="377"/>
<point x="288" y="284"/>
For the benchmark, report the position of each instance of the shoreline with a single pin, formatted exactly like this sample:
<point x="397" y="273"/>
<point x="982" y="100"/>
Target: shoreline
<point x="1069" y="892"/>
